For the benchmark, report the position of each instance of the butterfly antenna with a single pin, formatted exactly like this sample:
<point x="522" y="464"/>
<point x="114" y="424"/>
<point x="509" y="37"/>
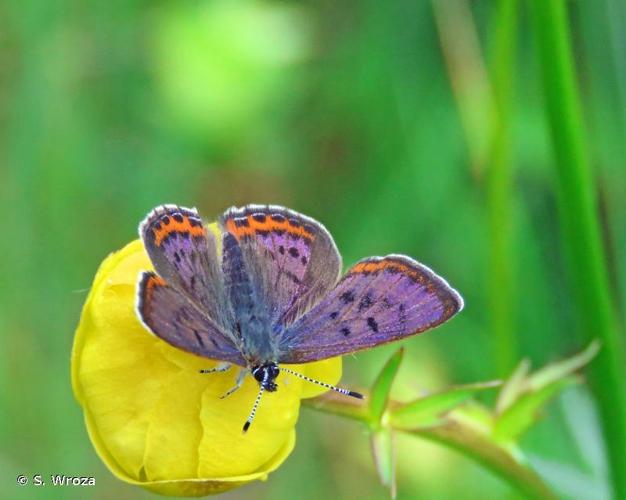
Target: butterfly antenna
<point x="246" y="426"/>
<point x="345" y="392"/>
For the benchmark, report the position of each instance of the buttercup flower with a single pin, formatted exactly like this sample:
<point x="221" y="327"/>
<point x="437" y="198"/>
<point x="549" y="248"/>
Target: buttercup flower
<point x="156" y="421"/>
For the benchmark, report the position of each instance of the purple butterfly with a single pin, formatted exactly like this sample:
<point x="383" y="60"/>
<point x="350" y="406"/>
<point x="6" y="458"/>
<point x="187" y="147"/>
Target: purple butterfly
<point x="275" y="296"/>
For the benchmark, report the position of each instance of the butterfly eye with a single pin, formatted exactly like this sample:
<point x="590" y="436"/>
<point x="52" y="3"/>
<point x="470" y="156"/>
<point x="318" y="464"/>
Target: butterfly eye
<point x="258" y="373"/>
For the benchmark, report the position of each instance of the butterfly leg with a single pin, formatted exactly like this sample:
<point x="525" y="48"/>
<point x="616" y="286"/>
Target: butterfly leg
<point x="238" y="383"/>
<point x="221" y="367"/>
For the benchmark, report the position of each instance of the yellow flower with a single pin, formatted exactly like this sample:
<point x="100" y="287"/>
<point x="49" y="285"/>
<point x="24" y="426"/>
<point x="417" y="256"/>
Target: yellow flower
<point x="153" y="419"/>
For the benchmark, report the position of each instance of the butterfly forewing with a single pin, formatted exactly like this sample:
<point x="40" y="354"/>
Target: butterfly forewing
<point x="184" y="254"/>
<point x="292" y="259"/>
<point x="379" y="300"/>
<point x="174" y="318"/>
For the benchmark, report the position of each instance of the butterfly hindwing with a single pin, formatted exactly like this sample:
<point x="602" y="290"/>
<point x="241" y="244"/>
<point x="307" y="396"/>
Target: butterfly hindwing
<point x="379" y="300"/>
<point x="292" y="259"/>
<point x="184" y="254"/>
<point x="171" y="316"/>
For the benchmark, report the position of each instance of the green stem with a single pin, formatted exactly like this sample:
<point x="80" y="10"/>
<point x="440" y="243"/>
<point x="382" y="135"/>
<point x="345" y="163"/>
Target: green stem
<point x="497" y="459"/>
<point x="581" y="228"/>
<point x="500" y="192"/>
<point x="453" y="434"/>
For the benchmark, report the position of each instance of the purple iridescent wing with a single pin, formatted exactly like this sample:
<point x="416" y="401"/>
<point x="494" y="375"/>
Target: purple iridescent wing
<point x="292" y="259"/>
<point x="379" y="300"/>
<point x="184" y="254"/>
<point x="171" y="316"/>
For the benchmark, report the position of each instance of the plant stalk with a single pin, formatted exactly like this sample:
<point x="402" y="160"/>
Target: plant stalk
<point x="581" y="229"/>
<point x="500" y="192"/>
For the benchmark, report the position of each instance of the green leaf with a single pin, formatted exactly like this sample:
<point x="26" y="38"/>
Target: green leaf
<point x="429" y="410"/>
<point x="513" y="387"/>
<point x="555" y="371"/>
<point x="534" y="391"/>
<point x="383" y="451"/>
<point x="382" y="386"/>
<point x="523" y="413"/>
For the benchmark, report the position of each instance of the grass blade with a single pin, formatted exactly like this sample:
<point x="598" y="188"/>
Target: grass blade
<point x="581" y="229"/>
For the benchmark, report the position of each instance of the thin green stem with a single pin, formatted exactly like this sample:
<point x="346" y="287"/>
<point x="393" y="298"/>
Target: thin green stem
<point x="581" y="229"/>
<point x="493" y="457"/>
<point x="500" y="192"/>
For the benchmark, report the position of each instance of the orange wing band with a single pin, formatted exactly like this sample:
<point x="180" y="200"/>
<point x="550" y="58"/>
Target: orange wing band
<point x="168" y="224"/>
<point x="392" y="265"/>
<point x="250" y="225"/>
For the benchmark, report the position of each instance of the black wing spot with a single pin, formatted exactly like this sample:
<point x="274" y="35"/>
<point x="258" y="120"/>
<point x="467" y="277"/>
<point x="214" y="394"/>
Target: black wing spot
<point x="291" y="276"/>
<point x="178" y="217"/>
<point x="241" y="222"/>
<point x="347" y="297"/>
<point x="293" y="251"/>
<point x="281" y="250"/>
<point x="365" y="302"/>
<point x="304" y="260"/>
<point x="165" y="220"/>
<point x="176" y="257"/>
<point x="345" y="330"/>
<point x="259" y="217"/>
<point x="195" y="222"/>
<point x="262" y="232"/>
<point x="334" y="314"/>
<point x="278" y="217"/>
<point x="198" y="338"/>
<point x="371" y="322"/>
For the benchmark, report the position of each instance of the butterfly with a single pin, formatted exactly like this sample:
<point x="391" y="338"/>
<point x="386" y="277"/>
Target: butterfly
<point x="266" y="291"/>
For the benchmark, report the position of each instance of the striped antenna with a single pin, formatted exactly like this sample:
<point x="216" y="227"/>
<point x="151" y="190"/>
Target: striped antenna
<point x="345" y="392"/>
<point x="246" y="426"/>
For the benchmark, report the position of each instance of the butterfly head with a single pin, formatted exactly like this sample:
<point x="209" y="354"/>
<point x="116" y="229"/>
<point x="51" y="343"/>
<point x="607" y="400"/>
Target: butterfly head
<point x="265" y="375"/>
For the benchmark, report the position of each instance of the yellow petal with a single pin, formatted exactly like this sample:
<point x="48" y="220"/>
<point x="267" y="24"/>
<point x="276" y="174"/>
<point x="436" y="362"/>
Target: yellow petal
<point x="153" y="419"/>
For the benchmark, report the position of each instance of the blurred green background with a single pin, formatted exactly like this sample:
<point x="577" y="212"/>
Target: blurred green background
<point x="414" y="127"/>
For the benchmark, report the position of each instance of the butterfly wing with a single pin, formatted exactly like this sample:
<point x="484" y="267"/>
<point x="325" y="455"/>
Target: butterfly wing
<point x="173" y="317"/>
<point x="379" y="300"/>
<point x="292" y="258"/>
<point x="184" y="254"/>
